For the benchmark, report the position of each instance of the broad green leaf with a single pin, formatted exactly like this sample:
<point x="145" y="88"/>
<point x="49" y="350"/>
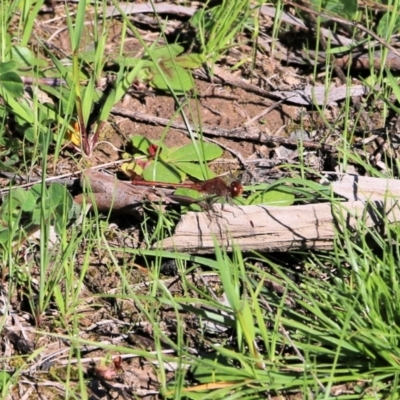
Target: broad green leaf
<point x="190" y="194"/>
<point x="190" y="60"/>
<point x="385" y="27"/>
<point x="7" y="67"/>
<point x="208" y="151"/>
<point x="272" y="198"/>
<point x="344" y="8"/>
<point x="195" y="170"/>
<point x="130" y="62"/>
<point x="11" y="209"/>
<point x="45" y="203"/>
<point x="178" y="78"/>
<point x="37" y="215"/>
<point x="20" y="198"/>
<point x="4" y="238"/>
<point x="88" y="56"/>
<point x="12" y="82"/>
<point x="62" y="212"/>
<point x="393" y="84"/>
<point x="30" y="134"/>
<point x="166" y="52"/>
<point x="162" y="172"/>
<point x="4" y="378"/>
<point x="143" y="144"/>
<point x="186" y="192"/>
<point x="36" y="191"/>
<point x="126" y="61"/>
<point x="7" y="166"/>
<point x="197" y="18"/>
<point x="22" y="56"/>
<point x="29" y="203"/>
<point x="57" y="194"/>
<point x="17" y="197"/>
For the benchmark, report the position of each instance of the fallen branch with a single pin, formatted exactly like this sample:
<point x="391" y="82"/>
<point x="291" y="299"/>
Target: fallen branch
<point x="314" y="226"/>
<point x="251" y="134"/>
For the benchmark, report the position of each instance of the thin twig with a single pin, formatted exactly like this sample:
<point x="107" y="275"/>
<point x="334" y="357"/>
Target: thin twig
<point x="252" y="134"/>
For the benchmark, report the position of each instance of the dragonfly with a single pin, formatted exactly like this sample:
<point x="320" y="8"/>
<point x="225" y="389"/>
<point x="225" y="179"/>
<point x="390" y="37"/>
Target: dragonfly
<point x="211" y="187"/>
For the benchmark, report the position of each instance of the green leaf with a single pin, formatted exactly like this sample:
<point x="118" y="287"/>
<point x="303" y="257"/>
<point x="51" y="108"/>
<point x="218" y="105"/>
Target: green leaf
<point x="141" y="143"/>
<point x="57" y="194"/>
<point x="20" y="198"/>
<point x="384" y="27"/>
<point x="162" y="172"/>
<point x="4" y="238"/>
<point x="7" y="165"/>
<point x="126" y="61"/>
<point x="22" y="56"/>
<point x="36" y="216"/>
<point x="176" y="76"/>
<point x="88" y="57"/>
<point x="396" y="90"/>
<point x="55" y="203"/>
<point x="43" y="199"/>
<point x="7" y="66"/>
<point x="272" y="198"/>
<point x="190" y="60"/>
<point x="191" y="194"/>
<point x="343" y="8"/>
<point x="29" y="202"/>
<point x="63" y="213"/>
<point x="17" y="196"/>
<point x="12" y="82"/>
<point x="195" y="170"/>
<point x="30" y="134"/>
<point x="197" y="19"/>
<point x="165" y="52"/>
<point x="208" y="152"/>
<point x="194" y="194"/>
<point x="4" y="378"/>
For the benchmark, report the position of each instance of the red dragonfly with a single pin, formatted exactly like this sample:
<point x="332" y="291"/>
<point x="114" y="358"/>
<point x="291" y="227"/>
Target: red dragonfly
<point x="215" y="186"/>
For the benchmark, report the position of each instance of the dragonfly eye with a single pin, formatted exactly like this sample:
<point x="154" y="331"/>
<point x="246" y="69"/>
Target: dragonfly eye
<point x="236" y="189"/>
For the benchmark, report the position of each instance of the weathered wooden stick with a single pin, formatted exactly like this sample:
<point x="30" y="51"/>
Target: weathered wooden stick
<point x="312" y="226"/>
